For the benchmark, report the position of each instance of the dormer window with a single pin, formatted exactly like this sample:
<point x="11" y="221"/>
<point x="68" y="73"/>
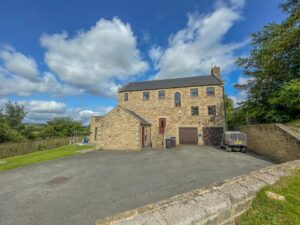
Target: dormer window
<point x="177" y="99"/>
<point x="125" y="96"/>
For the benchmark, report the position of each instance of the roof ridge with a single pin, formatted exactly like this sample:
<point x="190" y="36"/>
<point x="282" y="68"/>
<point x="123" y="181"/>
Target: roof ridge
<point x="176" y="78"/>
<point x="205" y="80"/>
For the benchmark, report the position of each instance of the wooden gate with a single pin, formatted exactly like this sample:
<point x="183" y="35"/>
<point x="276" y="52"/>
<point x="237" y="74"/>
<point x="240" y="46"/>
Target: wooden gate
<point x="212" y="135"/>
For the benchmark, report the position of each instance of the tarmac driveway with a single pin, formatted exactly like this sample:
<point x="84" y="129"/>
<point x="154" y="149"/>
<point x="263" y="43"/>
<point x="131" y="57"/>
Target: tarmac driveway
<point x="80" y="189"/>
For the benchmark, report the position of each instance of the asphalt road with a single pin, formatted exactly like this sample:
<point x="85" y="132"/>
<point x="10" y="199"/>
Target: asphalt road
<point x="80" y="189"/>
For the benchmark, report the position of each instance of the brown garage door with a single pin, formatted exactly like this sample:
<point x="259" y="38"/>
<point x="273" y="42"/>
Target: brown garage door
<point x="188" y="135"/>
<point x="212" y="135"/>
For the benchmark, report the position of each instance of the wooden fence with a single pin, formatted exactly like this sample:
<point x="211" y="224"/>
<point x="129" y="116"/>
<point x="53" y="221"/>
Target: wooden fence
<point x="21" y="148"/>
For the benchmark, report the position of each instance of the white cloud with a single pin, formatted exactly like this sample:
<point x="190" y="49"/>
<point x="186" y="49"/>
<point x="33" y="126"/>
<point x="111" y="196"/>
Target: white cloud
<point x="244" y="80"/>
<point x="44" y="106"/>
<point x="237" y="3"/>
<point x="96" y="58"/>
<point x="192" y="50"/>
<point x="84" y="115"/>
<point x="40" y="111"/>
<point x="155" y="54"/>
<point x="19" y="63"/>
<point x="11" y="83"/>
<point x="239" y="98"/>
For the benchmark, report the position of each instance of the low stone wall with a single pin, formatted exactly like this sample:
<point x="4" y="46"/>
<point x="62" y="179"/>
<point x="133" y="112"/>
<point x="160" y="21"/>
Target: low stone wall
<point x="220" y="203"/>
<point x="273" y="140"/>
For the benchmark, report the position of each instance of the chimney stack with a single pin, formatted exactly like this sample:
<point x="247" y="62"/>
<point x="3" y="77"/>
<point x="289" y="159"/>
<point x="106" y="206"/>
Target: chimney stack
<point x="216" y="71"/>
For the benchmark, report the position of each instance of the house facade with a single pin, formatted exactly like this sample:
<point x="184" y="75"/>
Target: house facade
<point x="190" y="109"/>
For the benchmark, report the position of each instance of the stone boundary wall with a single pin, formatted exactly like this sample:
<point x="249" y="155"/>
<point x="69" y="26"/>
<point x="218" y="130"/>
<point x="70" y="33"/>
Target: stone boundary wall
<point x="273" y="140"/>
<point x="220" y="203"/>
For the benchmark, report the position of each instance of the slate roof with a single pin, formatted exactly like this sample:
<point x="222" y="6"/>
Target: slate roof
<point x="138" y="117"/>
<point x="172" y="83"/>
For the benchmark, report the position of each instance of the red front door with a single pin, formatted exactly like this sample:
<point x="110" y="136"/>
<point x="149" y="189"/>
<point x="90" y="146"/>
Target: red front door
<point x="143" y="136"/>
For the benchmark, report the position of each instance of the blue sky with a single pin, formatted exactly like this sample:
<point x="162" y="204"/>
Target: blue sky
<point x="67" y="58"/>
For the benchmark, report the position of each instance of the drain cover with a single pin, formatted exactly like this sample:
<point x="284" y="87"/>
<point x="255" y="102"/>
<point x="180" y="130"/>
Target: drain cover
<point x="57" y="180"/>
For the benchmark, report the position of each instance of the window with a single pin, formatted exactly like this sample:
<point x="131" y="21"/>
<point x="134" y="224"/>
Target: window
<point x="162" y="125"/>
<point x="195" y="110"/>
<point x="210" y="91"/>
<point x="146" y="95"/>
<point x="161" y="94"/>
<point x="194" y="92"/>
<point x="177" y="99"/>
<point x="125" y="96"/>
<point x="212" y="110"/>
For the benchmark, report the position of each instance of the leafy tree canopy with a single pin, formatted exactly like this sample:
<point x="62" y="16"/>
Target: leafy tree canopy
<point x="274" y="68"/>
<point x="61" y="127"/>
<point x="12" y="128"/>
<point x="11" y="122"/>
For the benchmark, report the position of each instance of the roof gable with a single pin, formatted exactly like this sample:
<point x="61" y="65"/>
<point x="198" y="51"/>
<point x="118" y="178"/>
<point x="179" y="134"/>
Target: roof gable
<point x="130" y="113"/>
<point x="138" y="117"/>
<point x="172" y="83"/>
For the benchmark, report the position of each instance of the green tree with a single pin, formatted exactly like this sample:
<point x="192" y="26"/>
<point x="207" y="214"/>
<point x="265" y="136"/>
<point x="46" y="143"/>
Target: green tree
<point x="272" y="64"/>
<point x="235" y="116"/>
<point x="288" y="98"/>
<point x="9" y="126"/>
<point x="62" y="127"/>
<point x="229" y="110"/>
<point x="14" y="115"/>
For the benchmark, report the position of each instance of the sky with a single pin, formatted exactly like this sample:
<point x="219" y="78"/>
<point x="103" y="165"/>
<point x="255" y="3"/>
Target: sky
<point x="69" y="57"/>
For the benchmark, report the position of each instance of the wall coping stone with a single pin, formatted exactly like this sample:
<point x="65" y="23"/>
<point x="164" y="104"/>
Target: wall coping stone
<point x="278" y="125"/>
<point x="219" y="203"/>
<point x="288" y="130"/>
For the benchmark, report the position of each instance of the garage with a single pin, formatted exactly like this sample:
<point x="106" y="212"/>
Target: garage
<point x="188" y="135"/>
<point x="212" y="135"/>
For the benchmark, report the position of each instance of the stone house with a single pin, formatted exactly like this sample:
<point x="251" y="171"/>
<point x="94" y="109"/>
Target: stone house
<point x="191" y="109"/>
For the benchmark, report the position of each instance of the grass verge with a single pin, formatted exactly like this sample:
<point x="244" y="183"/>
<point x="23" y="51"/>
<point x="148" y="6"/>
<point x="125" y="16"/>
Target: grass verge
<point x="265" y="211"/>
<point x="40" y="156"/>
<point x="293" y="123"/>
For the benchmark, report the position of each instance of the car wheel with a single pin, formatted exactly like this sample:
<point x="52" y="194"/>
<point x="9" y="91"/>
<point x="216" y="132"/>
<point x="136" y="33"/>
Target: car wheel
<point x="228" y="149"/>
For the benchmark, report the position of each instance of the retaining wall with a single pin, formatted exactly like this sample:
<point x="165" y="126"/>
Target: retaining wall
<point x="273" y="140"/>
<point x="220" y="203"/>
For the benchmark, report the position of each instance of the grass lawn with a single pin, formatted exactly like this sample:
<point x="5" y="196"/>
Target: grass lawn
<point x="294" y="123"/>
<point x="265" y="211"/>
<point x="41" y="156"/>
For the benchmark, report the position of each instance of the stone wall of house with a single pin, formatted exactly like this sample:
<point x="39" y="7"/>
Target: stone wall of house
<point x="273" y="140"/>
<point x="176" y="117"/>
<point x="118" y="131"/>
<point x="93" y="128"/>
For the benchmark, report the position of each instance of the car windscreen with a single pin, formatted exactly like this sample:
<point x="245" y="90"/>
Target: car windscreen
<point x="237" y="136"/>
